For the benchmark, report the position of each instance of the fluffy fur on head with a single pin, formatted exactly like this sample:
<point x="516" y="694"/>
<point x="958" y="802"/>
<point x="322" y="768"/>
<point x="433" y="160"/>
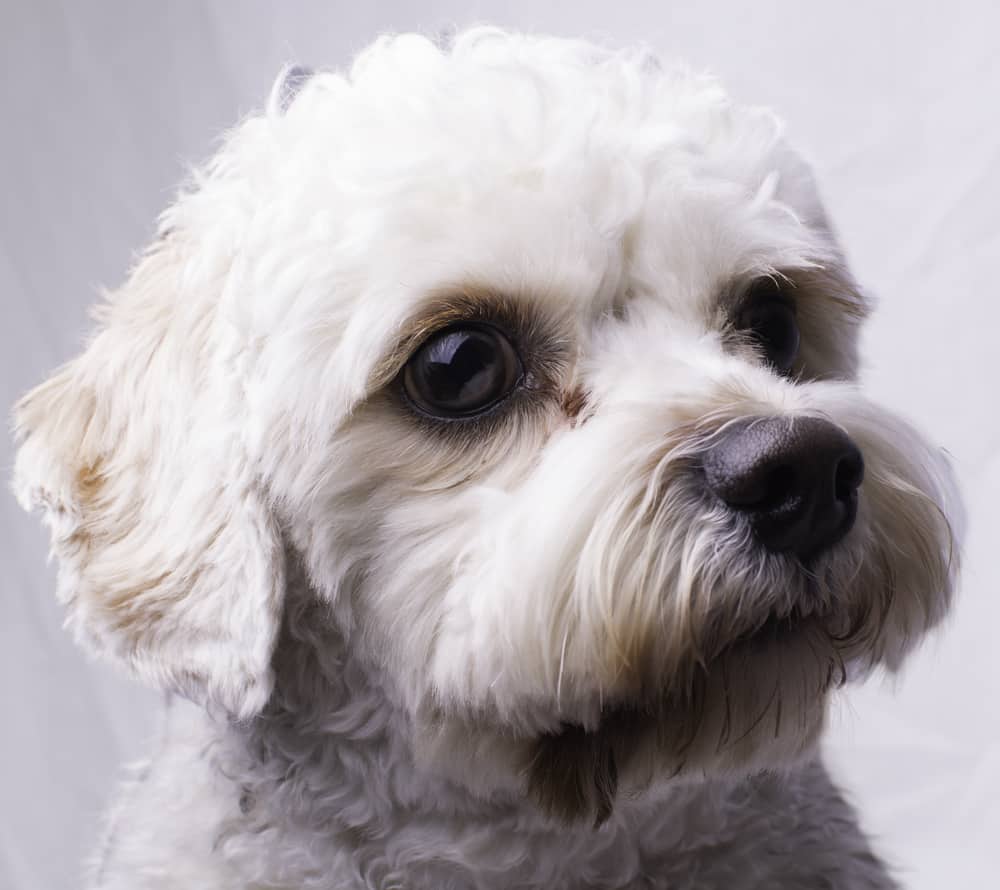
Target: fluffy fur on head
<point x="420" y="641"/>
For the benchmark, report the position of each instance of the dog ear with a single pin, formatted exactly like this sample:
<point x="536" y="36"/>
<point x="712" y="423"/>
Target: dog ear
<point x="169" y="559"/>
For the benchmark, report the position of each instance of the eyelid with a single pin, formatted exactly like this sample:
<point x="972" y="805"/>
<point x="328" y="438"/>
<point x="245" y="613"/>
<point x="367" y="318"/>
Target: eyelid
<point x="767" y="288"/>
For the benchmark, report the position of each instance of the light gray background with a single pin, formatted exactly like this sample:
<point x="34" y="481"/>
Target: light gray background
<point x="101" y="105"/>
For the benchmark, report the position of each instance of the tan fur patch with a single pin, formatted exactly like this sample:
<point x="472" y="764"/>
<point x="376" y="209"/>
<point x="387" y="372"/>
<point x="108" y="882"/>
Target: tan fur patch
<point x="89" y="482"/>
<point x="574" y="401"/>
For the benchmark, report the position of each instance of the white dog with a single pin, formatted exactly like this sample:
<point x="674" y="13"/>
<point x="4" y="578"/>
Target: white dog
<point x="480" y="445"/>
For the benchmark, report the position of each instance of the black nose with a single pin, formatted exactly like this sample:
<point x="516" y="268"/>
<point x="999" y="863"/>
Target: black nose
<point x="795" y="478"/>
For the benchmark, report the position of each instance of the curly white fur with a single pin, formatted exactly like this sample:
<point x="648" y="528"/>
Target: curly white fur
<point x="435" y="656"/>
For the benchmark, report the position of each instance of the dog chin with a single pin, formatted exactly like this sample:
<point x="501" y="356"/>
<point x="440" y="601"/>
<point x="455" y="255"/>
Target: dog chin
<point x="758" y="704"/>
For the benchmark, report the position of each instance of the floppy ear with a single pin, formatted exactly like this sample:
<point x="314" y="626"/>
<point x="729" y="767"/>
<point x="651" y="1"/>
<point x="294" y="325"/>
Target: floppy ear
<point x="169" y="559"/>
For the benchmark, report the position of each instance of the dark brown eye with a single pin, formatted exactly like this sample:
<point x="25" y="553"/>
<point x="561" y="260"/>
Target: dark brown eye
<point x="461" y="372"/>
<point x="768" y="318"/>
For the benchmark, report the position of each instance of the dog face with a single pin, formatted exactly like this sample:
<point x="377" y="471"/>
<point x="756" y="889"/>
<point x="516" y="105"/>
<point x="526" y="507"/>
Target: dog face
<point x="543" y="361"/>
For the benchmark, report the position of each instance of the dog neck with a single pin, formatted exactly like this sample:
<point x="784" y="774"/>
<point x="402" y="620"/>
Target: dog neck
<point x="331" y="757"/>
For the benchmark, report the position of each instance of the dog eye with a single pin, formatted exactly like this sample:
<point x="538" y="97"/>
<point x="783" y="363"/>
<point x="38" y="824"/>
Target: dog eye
<point x="768" y="318"/>
<point x="461" y="372"/>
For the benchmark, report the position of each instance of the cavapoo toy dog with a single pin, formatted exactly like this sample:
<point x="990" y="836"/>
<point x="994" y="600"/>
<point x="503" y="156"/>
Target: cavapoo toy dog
<point x="479" y="446"/>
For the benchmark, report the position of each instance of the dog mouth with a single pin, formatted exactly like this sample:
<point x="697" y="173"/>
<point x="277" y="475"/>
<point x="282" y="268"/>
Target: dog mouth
<point x="778" y="627"/>
<point x="574" y="773"/>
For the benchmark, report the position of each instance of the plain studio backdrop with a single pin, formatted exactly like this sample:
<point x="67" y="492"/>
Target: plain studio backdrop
<point x="898" y="105"/>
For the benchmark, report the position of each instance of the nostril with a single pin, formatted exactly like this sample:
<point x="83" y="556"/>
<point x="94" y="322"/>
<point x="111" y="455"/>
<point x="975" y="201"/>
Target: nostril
<point x="849" y="474"/>
<point x="780" y="486"/>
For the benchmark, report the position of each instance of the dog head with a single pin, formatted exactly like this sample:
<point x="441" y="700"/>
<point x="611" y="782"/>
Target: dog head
<point x="543" y="360"/>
